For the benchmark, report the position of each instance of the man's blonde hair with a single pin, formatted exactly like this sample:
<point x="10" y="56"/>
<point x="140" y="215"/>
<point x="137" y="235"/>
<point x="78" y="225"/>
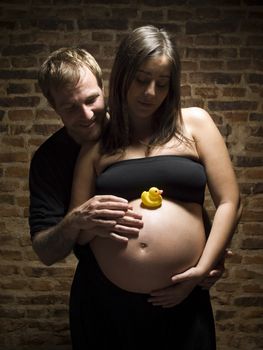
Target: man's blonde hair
<point x="62" y="69"/>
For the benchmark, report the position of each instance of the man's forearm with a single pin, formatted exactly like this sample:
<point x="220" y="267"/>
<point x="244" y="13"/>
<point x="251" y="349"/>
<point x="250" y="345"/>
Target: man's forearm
<point x="55" y="243"/>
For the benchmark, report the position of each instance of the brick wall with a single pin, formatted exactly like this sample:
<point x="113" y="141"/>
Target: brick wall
<point x="222" y="54"/>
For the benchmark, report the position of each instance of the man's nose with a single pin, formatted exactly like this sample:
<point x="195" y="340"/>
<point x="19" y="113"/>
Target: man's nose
<point x="87" y="112"/>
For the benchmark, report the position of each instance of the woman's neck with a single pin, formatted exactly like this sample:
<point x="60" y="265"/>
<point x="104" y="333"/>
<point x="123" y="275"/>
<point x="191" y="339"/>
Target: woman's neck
<point x="142" y="131"/>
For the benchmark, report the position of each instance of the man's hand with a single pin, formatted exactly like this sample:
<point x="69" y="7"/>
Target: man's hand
<point x="127" y="226"/>
<point x="215" y="274"/>
<point x="106" y="216"/>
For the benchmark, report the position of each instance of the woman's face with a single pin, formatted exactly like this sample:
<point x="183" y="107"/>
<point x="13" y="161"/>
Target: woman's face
<point x="149" y="88"/>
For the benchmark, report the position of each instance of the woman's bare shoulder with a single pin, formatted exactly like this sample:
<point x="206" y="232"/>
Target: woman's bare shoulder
<point x="194" y="115"/>
<point x="196" y="120"/>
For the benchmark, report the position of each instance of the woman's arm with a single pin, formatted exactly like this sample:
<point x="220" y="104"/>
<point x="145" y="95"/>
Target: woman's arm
<point x="225" y="194"/>
<point x="118" y="209"/>
<point x="222" y="185"/>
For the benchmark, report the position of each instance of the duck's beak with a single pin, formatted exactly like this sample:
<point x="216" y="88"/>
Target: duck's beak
<point x="160" y="191"/>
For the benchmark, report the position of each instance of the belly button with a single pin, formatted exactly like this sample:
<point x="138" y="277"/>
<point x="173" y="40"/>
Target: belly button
<point x="143" y="245"/>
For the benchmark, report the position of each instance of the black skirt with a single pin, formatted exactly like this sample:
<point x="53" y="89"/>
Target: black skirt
<point x="103" y="316"/>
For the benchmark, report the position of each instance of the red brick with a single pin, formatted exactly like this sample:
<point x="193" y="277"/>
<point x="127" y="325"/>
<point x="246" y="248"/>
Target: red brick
<point x="186" y="90"/>
<point x="215" y="78"/>
<point x="16" y="50"/>
<point x="255" y="228"/>
<point x="212" y="53"/>
<point x="252" y="243"/>
<point x="152" y="15"/>
<point x="252" y="288"/>
<point x="234" y="92"/>
<point x="249" y="301"/>
<point x="224" y="315"/>
<point x="247" y="274"/>
<point x="18" y="88"/>
<point x="238" y="64"/>
<point x="98" y="36"/>
<point x="10" y="211"/>
<point x="14" y="141"/>
<point x="16" y="172"/>
<point x="91" y="24"/>
<point x="249" y="161"/>
<point x="46" y="114"/>
<point x="45" y="129"/>
<point x="19" y="101"/>
<point x="211" y="27"/>
<point x="189" y="66"/>
<point x="7" y="199"/>
<point x="13" y="157"/>
<point x="4" y="63"/>
<point x="255" y="259"/>
<point x="206" y="92"/>
<point x="178" y="14"/>
<point x="211" y="65"/>
<point x="7" y="185"/>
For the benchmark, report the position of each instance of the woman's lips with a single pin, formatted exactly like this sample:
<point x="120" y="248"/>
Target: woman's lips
<point x="146" y="104"/>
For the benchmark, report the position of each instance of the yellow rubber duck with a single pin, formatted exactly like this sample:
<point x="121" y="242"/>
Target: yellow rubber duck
<point x="152" y="198"/>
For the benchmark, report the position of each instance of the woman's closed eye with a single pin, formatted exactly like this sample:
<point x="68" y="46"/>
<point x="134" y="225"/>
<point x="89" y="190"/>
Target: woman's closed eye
<point x="159" y="84"/>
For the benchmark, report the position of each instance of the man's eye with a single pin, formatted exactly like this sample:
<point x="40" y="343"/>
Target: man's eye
<point x="91" y="101"/>
<point x="69" y="108"/>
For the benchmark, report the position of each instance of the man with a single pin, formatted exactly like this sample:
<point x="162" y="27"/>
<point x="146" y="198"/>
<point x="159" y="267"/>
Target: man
<point x="71" y="80"/>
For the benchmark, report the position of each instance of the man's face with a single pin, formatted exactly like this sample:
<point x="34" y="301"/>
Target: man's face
<point x="81" y="109"/>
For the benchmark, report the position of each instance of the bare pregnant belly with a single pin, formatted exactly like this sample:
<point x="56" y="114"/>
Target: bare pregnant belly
<point x="171" y="240"/>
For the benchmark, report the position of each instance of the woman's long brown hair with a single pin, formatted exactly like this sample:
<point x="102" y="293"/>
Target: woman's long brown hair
<point x="141" y="44"/>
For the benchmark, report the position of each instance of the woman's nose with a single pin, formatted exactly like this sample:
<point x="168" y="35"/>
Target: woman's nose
<point x="150" y="89"/>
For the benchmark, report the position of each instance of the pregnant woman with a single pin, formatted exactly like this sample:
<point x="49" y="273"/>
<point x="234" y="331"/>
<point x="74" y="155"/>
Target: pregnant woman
<point x="144" y="291"/>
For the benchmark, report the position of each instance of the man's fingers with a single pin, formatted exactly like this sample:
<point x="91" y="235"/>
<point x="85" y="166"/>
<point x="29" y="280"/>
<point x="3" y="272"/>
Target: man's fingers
<point x="97" y="204"/>
<point x="133" y="214"/>
<point x="126" y="230"/>
<point x="110" y="198"/>
<point x="118" y="238"/>
<point x="131" y="222"/>
<point x="105" y="223"/>
<point x="107" y="213"/>
<point x="112" y="205"/>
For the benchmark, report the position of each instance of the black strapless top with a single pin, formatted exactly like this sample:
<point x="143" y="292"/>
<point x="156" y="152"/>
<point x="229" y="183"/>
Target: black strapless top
<point x="181" y="179"/>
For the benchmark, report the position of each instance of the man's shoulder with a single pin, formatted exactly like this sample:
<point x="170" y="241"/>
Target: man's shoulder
<point x="56" y="145"/>
<point x="54" y="140"/>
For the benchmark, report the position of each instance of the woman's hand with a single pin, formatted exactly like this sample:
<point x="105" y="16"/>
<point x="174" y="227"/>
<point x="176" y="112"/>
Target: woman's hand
<point x="185" y="282"/>
<point x="215" y="274"/>
<point x="173" y="295"/>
